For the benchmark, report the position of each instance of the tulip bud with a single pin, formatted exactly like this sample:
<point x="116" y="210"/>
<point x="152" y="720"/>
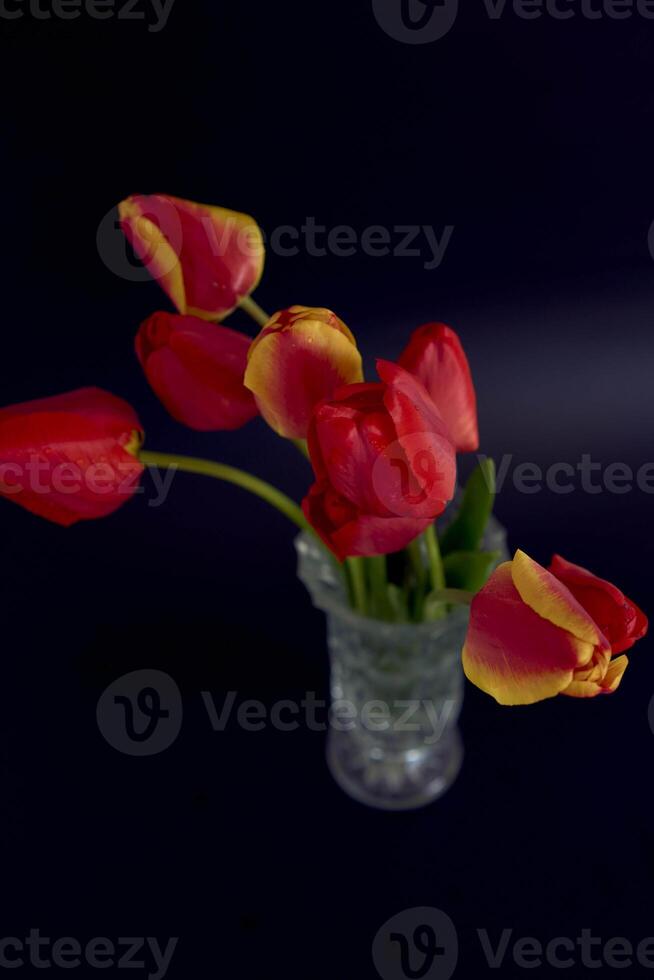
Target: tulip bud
<point x="206" y="259"/>
<point x="300" y="357"/>
<point x="435" y="355"/>
<point x="196" y="370"/>
<point x="384" y="465"/>
<point x="530" y="638"/>
<point x="71" y="457"/>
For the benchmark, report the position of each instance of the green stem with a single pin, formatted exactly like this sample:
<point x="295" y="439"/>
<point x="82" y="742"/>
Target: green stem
<point x="358" y="582"/>
<point x="254" y="310"/>
<point x="229" y="474"/>
<point x="417" y="565"/>
<point x="436" y="570"/>
<point x="378" y="580"/>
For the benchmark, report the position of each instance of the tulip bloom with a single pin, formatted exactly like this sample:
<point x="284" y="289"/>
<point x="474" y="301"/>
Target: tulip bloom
<point x="530" y="638"/>
<point x="196" y="369"/>
<point x="435" y="355"/>
<point x="206" y="259"/>
<point x="300" y="357"/>
<point x="620" y="620"/>
<point x="72" y="457"/>
<point x="384" y="465"/>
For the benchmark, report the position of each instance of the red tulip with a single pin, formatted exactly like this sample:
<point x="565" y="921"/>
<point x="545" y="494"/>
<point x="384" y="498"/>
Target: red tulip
<point x="207" y="259"/>
<point x="435" y="355"/>
<point x="300" y="357"/>
<point x="531" y="638"/>
<point x="619" y="619"/>
<point x="196" y="369"/>
<point x="72" y="457"/>
<point x="384" y="465"/>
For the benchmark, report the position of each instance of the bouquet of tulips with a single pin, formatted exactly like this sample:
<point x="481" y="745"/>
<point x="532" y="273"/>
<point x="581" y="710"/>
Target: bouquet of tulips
<point x="383" y="455"/>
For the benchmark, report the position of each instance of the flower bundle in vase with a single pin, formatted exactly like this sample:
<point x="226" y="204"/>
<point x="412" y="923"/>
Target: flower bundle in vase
<point x="416" y="585"/>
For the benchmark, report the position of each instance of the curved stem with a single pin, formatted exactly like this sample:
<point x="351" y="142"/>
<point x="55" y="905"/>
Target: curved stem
<point x="230" y="474"/>
<point x="254" y="310"/>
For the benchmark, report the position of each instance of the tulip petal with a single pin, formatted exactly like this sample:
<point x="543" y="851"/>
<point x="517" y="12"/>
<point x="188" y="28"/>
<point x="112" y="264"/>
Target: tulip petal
<point x="547" y="596"/>
<point x="70" y="457"/>
<point x="424" y="440"/>
<point x="196" y="370"/>
<point x="609" y="684"/>
<point x="291" y="369"/>
<point x="154" y="249"/>
<point x="348" y="533"/>
<point x="206" y="258"/>
<point x="513" y="653"/>
<point x="620" y="619"/>
<point x="435" y="356"/>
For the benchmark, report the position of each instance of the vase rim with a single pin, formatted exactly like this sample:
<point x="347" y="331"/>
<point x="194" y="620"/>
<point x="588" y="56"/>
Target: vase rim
<point x="334" y="602"/>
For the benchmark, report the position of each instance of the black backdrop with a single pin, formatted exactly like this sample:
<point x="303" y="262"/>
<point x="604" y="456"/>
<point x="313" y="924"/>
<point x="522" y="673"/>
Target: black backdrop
<point x="533" y="139"/>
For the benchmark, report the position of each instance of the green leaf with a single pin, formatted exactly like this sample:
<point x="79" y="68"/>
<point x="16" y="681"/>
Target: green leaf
<point x="466" y="531"/>
<point x="469" y="570"/>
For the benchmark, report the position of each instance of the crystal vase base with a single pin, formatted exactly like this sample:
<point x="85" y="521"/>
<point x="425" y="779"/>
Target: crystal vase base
<point x="385" y="780"/>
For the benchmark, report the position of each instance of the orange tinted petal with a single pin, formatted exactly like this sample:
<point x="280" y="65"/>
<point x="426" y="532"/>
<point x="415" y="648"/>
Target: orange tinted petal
<point x="206" y="258"/>
<point x="293" y="368"/>
<point x="591" y="688"/>
<point x="554" y="602"/>
<point x="154" y="250"/>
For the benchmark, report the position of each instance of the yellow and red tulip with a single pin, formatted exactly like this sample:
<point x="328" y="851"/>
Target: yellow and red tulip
<point x="435" y="355"/>
<point x="300" y="357"/>
<point x="205" y="258"/>
<point x="196" y="369"/>
<point x="384" y="465"/>
<point x="71" y="457"/>
<point x="531" y="638"/>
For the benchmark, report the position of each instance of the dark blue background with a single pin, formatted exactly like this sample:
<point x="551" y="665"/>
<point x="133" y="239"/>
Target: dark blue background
<point x="534" y="140"/>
